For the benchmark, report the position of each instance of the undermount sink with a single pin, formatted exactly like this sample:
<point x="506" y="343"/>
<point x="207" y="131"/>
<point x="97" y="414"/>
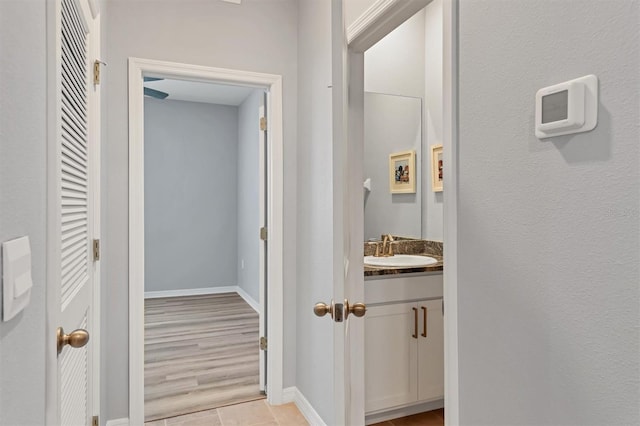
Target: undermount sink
<point x="400" y="261"/>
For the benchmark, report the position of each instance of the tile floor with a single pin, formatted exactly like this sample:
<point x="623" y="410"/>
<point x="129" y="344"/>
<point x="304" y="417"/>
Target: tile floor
<point x="247" y="414"/>
<point x="430" y="418"/>
<point x="260" y="413"/>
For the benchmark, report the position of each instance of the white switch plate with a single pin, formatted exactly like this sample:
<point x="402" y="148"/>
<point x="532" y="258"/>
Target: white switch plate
<point x="16" y="276"/>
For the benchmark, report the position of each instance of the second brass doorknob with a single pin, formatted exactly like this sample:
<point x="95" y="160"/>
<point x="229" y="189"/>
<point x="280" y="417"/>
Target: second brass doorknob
<point x="357" y="309"/>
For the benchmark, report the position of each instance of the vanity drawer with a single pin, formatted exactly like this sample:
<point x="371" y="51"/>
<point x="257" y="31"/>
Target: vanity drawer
<point x="402" y="288"/>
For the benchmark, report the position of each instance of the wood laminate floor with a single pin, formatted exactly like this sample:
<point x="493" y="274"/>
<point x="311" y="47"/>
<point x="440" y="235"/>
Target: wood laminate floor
<point x="428" y="418"/>
<point x="201" y="352"/>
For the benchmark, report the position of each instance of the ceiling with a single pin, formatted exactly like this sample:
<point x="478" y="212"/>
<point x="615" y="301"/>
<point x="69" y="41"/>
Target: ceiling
<point x="192" y="91"/>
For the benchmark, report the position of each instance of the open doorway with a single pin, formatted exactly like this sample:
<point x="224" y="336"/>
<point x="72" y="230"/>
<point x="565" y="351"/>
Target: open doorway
<point x="406" y="312"/>
<point x="203" y="270"/>
<point x="205" y="187"/>
<point x="404" y="342"/>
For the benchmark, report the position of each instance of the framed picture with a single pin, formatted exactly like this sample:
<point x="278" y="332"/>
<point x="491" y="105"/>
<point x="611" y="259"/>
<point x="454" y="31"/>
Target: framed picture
<point x="402" y="172"/>
<point x="436" y="168"/>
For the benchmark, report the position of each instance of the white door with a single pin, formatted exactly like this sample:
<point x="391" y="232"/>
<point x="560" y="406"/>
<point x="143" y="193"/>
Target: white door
<point x="348" y="279"/>
<point x="73" y="224"/>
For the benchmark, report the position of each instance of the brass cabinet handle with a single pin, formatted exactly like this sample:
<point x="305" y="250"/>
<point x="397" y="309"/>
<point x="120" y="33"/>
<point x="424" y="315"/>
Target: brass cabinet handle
<point x="75" y="339"/>
<point x="415" y="323"/>
<point x="424" y="322"/>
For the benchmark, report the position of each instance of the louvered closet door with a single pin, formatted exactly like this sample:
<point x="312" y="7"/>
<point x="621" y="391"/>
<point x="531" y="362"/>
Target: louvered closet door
<point x="76" y="210"/>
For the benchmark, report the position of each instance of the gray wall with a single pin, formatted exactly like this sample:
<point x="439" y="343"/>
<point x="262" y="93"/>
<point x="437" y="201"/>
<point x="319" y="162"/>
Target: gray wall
<point x="190" y="199"/>
<point x="249" y="138"/>
<point x="549" y="234"/>
<point x="23" y="149"/>
<point x="408" y="61"/>
<point x="433" y="217"/>
<point x="391" y="124"/>
<point x="314" y="369"/>
<point x="256" y="36"/>
<point x="395" y="65"/>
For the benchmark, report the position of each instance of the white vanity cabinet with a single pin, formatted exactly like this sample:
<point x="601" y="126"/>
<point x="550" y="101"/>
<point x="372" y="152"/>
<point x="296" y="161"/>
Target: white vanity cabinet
<point x="391" y="356"/>
<point x="404" y="349"/>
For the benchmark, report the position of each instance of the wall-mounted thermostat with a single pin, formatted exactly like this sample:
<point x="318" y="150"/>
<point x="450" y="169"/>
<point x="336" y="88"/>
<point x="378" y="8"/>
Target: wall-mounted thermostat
<point x="569" y="107"/>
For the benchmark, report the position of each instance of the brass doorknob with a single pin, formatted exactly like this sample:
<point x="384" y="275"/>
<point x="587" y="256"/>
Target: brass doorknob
<point x="322" y="309"/>
<point x="357" y="309"/>
<point x="75" y="339"/>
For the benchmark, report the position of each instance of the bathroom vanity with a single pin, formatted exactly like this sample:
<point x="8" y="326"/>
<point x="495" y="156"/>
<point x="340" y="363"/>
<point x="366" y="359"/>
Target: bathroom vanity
<point x="404" y="341"/>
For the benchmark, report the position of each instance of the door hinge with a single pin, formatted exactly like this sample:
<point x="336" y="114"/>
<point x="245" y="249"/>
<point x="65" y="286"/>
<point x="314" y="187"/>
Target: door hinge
<point x="95" y="421"/>
<point x="263" y="343"/>
<point x="96" y="250"/>
<point x="96" y="71"/>
<point x="263" y="233"/>
<point x="263" y="123"/>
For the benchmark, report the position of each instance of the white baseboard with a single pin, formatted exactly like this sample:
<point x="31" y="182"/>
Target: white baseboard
<point x="289" y="395"/>
<point x="292" y="394"/>
<point x="190" y="292"/>
<point x="247" y="298"/>
<point x="118" y="422"/>
<point x="409" y="410"/>
<point x="205" y="290"/>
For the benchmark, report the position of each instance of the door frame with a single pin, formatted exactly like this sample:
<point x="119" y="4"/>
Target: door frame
<point x="374" y="24"/>
<point x="273" y="84"/>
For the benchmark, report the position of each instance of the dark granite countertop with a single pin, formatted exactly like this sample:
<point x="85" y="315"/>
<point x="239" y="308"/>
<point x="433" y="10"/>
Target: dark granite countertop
<point x="370" y="271"/>
<point x="406" y="246"/>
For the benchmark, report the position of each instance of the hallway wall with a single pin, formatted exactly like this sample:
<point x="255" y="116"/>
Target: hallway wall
<point x="191" y="192"/>
<point x="23" y="173"/>
<point x="315" y="214"/>
<point x="255" y="36"/>
<point x="553" y="340"/>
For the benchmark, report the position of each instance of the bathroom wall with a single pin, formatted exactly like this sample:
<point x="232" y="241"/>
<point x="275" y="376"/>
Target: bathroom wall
<point x="409" y="62"/>
<point x="23" y="202"/>
<point x="433" y="219"/>
<point x="548" y="230"/>
<point x="392" y="124"/>
<point x="249" y="138"/>
<point x="254" y="36"/>
<point x="191" y="208"/>
<point x="394" y="66"/>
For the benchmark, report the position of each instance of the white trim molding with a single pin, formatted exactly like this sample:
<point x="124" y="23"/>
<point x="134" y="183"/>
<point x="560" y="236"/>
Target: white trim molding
<point x="200" y="291"/>
<point x="247" y="298"/>
<point x="118" y="422"/>
<point x="382" y="17"/>
<point x="275" y="209"/>
<point x="293" y="394"/>
<point x="190" y="292"/>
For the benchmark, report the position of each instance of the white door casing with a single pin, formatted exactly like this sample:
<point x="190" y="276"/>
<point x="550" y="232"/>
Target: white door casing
<point x="274" y="206"/>
<point x="72" y="376"/>
<point x="263" y="252"/>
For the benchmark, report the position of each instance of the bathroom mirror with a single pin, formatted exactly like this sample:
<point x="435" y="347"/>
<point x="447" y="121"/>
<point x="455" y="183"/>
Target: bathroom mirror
<point x="391" y="124"/>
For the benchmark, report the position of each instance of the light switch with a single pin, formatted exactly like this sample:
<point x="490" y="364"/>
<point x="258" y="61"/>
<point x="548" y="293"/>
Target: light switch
<point x="16" y="276"/>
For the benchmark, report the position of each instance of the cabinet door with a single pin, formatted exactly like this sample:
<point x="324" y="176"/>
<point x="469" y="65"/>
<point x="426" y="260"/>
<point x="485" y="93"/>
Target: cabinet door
<point x="390" y="356"/>
<point x="431" y="350"/>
